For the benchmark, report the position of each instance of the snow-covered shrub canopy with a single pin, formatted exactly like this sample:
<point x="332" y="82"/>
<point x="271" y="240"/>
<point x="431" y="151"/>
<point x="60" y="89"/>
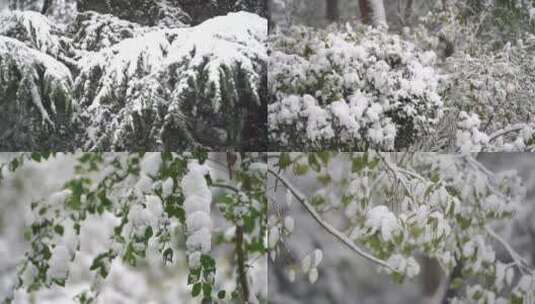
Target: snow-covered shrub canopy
<point x="391" y="208"/>
<point x="32" y="28"/>
<point x="93" y="31"/>
<point x="350" y="89"/>
<point x="192" y="79"/>
<point x="145" y="12"/>
<point x="183" y="210"/>
<point x="167" y="85"/>
<point x="489" y="77"/>
<point x="36" y="95"/>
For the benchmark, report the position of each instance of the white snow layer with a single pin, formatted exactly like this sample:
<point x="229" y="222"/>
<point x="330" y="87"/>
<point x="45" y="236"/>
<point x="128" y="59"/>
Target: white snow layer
<point x="197" y="207"/>
<point x="237" y="38"/>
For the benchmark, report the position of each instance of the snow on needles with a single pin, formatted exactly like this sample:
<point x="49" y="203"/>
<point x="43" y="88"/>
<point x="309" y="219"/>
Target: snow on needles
<point x="237" y="38"/>
<point x="54" y="82"/>
<point x="31" y="27"/>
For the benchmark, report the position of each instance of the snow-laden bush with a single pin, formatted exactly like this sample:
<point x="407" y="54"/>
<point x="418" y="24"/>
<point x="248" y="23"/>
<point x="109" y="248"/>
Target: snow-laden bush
<point x="93" y="31"/>
<point x="489" y="79"/>
<point x="178" y="86"/>
<point x="145" y="12"/>
<point x="350" y="89"/>
<point x="35" y="97"/>
<point x="32" y="28"/>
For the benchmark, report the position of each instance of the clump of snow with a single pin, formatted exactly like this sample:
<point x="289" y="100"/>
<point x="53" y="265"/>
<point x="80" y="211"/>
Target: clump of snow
<point x="197" y="207"/>
<point x="380" y="219"/>
<point x="469" y="138"/>
<point x="407" y="266"/>
<point x="167" y="187"/>
<point x="59" y="263"/>
<point x="150" y="165"/>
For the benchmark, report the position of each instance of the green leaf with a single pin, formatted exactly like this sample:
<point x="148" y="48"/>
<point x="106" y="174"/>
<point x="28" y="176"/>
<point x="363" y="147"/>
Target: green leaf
<point x="148" y="233"/>
<point x="324" y="156"/>
<point x="207" y="262"/>
<point x="36" y="156"/>
<point x="300" y="169"/>
<point x="58" y="229"/>
<point x="358" y="164"/>
<point x="14" y="164"/>
<point x="314" y="162"/>
<point x="207" y="290"/>
<point x="284" y="160"/>
<point x="60" y="282"/>
<point x="196" y="289"/>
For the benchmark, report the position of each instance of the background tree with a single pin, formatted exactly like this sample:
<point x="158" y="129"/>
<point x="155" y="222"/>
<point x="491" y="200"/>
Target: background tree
<point x="332" y="12"/>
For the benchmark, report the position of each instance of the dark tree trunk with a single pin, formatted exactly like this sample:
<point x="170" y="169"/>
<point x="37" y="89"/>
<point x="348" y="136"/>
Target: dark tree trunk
<point x="451" y="291"/>
<point x="332" y="10"/>
<point x="364" y="11"/>
<point x="431" y="276"/>
<point x="408" y="12"/>
<point x="46" y="5"/>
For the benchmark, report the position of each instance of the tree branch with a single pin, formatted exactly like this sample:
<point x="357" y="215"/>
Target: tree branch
<point x="520" y="262"/>
<point x="510" y="129"/>
<point x="242" y="273"/>
<point x="339" y="235"/>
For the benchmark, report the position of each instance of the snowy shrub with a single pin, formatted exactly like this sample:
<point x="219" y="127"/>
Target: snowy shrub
<point x="32" y="28"/>
<point x="187" y="81"/>
<point x="93" y="31"/>
<point x="391" y="208"/>
<point x="350" y="90"/>
<point x="144" y="12"/>
<point x="488" y="77"/>
<point x="37" y="104"/>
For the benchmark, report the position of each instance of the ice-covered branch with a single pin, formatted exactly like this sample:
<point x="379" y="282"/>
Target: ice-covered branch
<point x="340" y="236"/>
<point x="519" y="261"/>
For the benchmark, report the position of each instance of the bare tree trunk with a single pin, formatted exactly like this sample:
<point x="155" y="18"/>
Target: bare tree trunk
<point x="46" y="5"/>
<point x="373" y="13"/>
<point x="408" y="12"/>
<point x="364" y="11"/>
<point x="431" y="277"/>
<point x="332" y="10"/>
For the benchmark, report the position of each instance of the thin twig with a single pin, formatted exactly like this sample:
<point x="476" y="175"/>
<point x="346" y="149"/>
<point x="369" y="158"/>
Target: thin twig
<point x="339" y="235"/>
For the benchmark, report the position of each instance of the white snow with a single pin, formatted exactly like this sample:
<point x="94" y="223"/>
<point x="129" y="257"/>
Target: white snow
<point x="200" y="240"/>
<point x="197" y="207"/>
<point x="289" y="223"/>
<point x="382" y="220"/>
<point x="167" y="187"/>
<point x="150" y="165"/>
<point x="313" y="275"/>
<point x="59" y="263"/>
<point x="274" y="236"/>
<point x="198" y="220"/>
